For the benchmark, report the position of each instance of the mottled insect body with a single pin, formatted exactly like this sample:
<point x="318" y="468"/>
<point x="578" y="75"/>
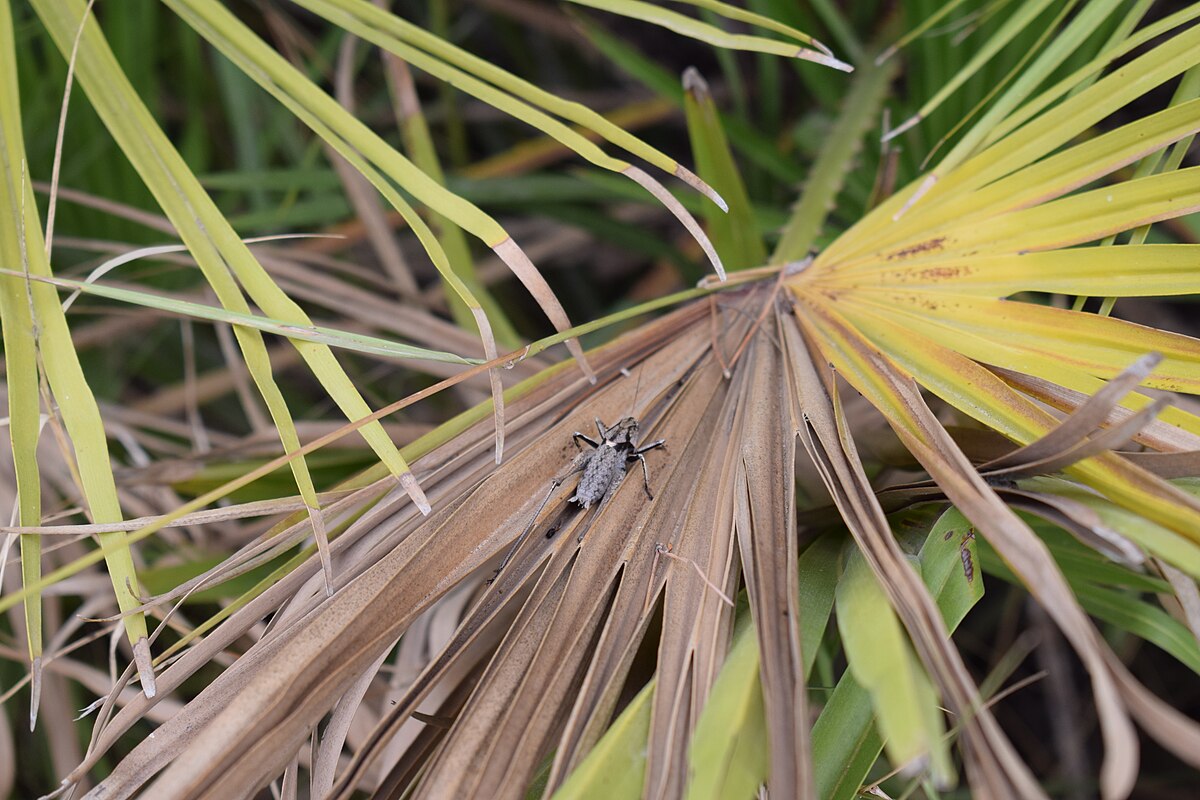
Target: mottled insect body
<point x="603" y="468"/>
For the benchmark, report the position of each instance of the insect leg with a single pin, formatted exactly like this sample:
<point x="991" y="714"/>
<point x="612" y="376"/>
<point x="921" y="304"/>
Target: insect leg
<point x="576" y="436"/>
<point x="600" y="427"/>
<point x="554" y="484"/>
<point x="651" y="446"/>
<point x="645" y="473"/>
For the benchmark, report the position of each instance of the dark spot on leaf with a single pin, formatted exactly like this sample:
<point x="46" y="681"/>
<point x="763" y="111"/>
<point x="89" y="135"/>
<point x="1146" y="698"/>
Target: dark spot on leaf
<point x="927" y="246"/>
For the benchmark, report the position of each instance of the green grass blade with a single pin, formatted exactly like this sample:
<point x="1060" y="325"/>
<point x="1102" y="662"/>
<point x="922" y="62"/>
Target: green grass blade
<point x="695" y="29"/>
<point x="20" y="352"/>
<point x="414" y="130"/>
<point x="615" y="767"/>
<point x="882" y="660"/>
<point x="861" y="110"/>
<point x="730" y="752"/>
<point x="331" y="337"/>
<point x="1021" y="19"/>
<point x="22" y="242"/>
<point x="729" y="746"/>
<point x="734" y="234"/>
<point x="742" y="15"/>
<point x="1073" y="37"/>
<point x="1142" y="619"/>
<point x="750" y="143"/>
<point x="346" y="133"/>
<point x="818" y="567"/>
<point x="1119" y="608"/>
<point x="845" y="741"/>
<point x="1086" y="75"/>
<point x="1156" y="539"/>
<point x="943" y="567"/>
<point x="494" y="85"/>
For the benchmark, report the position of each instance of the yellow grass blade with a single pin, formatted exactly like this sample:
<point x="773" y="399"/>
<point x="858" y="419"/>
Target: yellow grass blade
<point x="1036" y="139"/>
<point x="48" y="339"/>
<point x="20" y="352"/>
<point x="1072" y="220"/>
<point x="1047" y="179"/>
<point x="695" y="29"/>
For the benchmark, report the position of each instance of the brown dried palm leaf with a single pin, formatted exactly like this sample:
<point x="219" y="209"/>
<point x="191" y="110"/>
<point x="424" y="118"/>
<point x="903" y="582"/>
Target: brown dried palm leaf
<point x="502" y="680"/>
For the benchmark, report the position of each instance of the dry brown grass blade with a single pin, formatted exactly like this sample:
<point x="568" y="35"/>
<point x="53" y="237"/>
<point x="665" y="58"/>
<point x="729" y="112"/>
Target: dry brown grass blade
<point x="172" y="738"/>
<point x="393" y="518"/>
<point x="1024" y="552"/>
<point x="672" y="368"/>
<point x="1081" y="521"/>
<point x="995" y="769"/>
<point x="1135" y="483"/>
<point x="299" y="679"/>
<point x="333" y="736"/>
<point x="1157" y="434"/>
<point x="764" y="518"/>
<point x="516" y="259"/>
<point x="398" y="781"/>
<point x="1187" y="594"/>
<point x="1089" y="415"/>
<point x="8" y="757"/>
<point x="1105" y="440"/>
<point x="1167" y="465"/>
<point x="510" y="719"/>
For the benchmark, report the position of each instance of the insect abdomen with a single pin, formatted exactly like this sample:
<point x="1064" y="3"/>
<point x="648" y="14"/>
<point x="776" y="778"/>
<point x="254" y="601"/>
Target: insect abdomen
<point x="603" y="472"/>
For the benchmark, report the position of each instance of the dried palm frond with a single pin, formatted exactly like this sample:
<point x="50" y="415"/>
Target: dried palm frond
<point x="542" y="656"/>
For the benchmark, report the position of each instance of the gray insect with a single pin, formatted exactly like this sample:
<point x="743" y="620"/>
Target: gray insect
<point x="603" y="468"/>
